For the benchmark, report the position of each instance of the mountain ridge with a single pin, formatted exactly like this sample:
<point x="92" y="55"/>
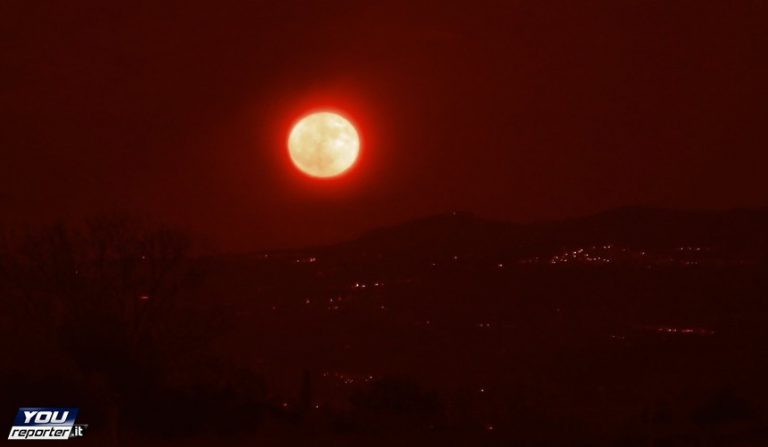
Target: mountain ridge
<point x="467" y="234"/>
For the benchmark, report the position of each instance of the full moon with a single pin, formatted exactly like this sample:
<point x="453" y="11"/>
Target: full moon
<point x="323" y="144"/>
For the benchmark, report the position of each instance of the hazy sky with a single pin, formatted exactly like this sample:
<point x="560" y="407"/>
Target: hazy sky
<point x="522" y="110"/>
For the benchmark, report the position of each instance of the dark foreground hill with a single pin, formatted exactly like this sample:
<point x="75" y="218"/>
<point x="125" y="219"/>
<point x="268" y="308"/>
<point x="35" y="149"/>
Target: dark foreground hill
<point x="631" y="327"/>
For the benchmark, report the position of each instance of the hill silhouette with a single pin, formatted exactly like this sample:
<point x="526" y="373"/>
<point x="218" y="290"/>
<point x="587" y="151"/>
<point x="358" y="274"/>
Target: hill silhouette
<point x="742" y="232"/>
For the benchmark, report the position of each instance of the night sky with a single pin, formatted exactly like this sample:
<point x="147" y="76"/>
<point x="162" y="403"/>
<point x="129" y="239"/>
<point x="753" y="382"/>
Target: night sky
<point x="520" y="110"/>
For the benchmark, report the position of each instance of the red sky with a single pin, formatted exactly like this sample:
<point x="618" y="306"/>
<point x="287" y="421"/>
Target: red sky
<point x="522" y="110"/>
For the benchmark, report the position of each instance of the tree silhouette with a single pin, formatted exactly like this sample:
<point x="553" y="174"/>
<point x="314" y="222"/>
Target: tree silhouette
<point x="106" y="302"/>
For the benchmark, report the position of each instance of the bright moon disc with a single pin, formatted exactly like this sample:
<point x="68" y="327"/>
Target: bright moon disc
<point x="323" y="144"/>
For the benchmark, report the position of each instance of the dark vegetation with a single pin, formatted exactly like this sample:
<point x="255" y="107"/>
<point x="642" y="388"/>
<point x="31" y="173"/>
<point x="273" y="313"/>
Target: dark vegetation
<point x="450" y="330"/>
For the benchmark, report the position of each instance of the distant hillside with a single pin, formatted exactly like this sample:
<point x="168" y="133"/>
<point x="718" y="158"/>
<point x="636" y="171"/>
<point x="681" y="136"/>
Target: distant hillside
<point x="737" y="231"/>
